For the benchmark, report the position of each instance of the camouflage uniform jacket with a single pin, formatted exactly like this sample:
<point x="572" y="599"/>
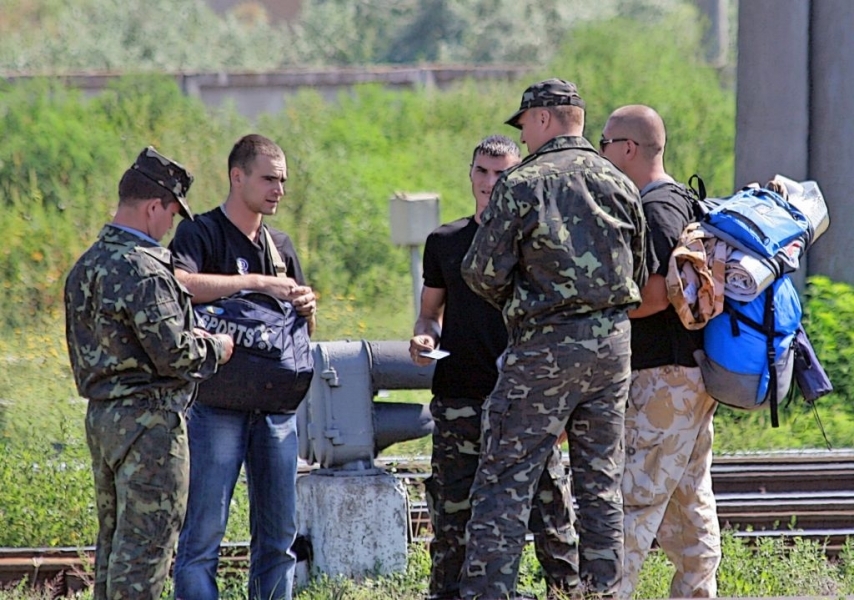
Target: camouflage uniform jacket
<point x="562" y="236"/>
<point x="129" y="325"/>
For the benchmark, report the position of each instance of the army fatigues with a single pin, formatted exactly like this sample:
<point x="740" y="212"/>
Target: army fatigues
<point x="473" y="332"/>
<point x="456" y="447"/>
<point x="129" y="328"/>
<point x="561" y="250"/>
<point x="667" y="486"/>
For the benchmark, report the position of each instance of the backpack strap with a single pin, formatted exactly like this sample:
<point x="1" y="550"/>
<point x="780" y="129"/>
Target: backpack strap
<point x="278" y="263"/>
<point x="698" y="186"/>
<point x="771" y="356"/>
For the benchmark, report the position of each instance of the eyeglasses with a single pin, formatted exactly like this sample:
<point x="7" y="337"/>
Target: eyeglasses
<point x="603" y="142"/>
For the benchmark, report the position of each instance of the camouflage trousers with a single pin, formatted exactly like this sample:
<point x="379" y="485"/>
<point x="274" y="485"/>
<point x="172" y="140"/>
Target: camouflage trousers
<point x="140" y="462"/>
<point x="456" y="447"/>
<point x="667" y="486"/>
<point x="575" y="379"/>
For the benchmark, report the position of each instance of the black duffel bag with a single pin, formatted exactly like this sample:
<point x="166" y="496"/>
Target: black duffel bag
<point x="272" y="365"/>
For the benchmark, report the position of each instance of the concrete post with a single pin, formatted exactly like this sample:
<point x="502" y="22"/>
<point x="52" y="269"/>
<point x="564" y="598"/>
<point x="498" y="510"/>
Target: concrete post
<point x="772" y="118"/>
<point x="772" y="113"/>
<point x="412" y="218"/>
<point x="831" y="143"/>
<point x="358" y="524"/>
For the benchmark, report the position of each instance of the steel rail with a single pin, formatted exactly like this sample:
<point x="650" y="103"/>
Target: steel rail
<point x="788" y="495"/>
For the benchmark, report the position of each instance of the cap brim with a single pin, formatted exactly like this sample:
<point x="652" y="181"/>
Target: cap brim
<point x="185" y="209"/>
<point x="513" y="121"/>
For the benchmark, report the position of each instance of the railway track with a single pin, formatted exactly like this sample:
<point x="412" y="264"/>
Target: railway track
<point x="808" y="495"/>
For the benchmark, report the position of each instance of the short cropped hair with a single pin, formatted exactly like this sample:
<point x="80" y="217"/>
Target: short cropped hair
<point x="134" y="186"/>
<point x="248" y="148"/>
<point x="567" y="115"/>
<point x="496" y="145"/>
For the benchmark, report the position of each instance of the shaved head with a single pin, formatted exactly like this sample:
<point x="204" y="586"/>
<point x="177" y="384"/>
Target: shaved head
<point x="642" y="124"/>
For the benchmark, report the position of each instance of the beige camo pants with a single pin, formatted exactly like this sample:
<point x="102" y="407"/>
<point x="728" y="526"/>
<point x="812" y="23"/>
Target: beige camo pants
<point x="667" y="485"/>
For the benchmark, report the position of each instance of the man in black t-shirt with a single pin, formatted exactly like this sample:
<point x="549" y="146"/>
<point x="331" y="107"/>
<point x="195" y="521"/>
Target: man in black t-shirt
<point x="221" y="252"/>
<point x="475" y="335"/>
<point x="667" y="485"/>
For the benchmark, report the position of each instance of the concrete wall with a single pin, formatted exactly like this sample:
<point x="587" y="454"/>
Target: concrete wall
<point x="277" y="10"/>
<point x="831" y="155"/>
<point x="795" y="100"/>
<point x="256" y="93"/>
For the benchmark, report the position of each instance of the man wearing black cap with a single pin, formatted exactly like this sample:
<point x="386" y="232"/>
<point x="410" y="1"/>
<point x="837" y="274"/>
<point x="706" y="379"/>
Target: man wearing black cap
<point x="560" y="250"/>
<point x="137" y="358"/>
<point x="473" y="332"/>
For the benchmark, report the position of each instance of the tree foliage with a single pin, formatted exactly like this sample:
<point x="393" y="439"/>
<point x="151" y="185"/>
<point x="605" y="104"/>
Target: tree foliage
<point x="63" y="154"/>
<point x="186" y="35"/>
<point x="137" y="35"/>
<point x="659" y="64"/>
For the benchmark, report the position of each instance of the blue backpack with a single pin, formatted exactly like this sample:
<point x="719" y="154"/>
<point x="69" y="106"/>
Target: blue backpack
<point x="758" y="221"/>
<point x="747" y="357"/>
<point x="749" y="352"/>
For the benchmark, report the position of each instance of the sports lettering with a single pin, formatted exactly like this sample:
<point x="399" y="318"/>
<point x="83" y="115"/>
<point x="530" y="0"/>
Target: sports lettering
<point x="249" y="337"/>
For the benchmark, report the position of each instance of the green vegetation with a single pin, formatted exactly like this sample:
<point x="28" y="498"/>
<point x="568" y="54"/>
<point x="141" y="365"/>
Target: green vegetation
<point x="770" y="569"/>
<point x="62" y="156"/>
<point x="50" y="36"/>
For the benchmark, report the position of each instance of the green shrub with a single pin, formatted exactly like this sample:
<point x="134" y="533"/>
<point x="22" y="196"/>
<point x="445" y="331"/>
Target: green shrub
<point x="699" y="113"/>
<point x="63" y="155"/>
<point x="107" y="35"/>
<point x="772" y="568"/>
<point x="829" y="321"/>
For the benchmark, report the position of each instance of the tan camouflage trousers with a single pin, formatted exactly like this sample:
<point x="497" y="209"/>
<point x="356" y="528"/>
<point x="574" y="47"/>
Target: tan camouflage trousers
<point x="667" y="486"/>
<point x="568" y="380"/>
<point x="456" y="447"/>
<point x="140" y="461"/>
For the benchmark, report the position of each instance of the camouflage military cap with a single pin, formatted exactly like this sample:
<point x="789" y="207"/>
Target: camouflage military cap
<point x="551" y="92"/>
<point x="167" y="174"/>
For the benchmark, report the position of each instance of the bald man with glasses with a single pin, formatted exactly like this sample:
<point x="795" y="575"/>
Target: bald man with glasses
<point x="667" y="484"/>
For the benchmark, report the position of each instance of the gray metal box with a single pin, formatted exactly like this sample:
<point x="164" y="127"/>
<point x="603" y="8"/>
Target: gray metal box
<point x="413" y="217"/>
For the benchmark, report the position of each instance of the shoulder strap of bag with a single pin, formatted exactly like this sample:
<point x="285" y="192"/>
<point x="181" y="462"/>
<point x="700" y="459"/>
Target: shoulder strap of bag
<point x="698" y="186"/>
<point x="771" y="356"/>
<point x="281" y="267"/>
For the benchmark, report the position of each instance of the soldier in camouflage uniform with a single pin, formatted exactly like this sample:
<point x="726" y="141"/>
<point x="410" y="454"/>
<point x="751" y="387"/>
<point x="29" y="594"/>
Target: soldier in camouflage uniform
<point x="473" y="332"/>
<point x="561" y="250"/>
<point x="667" y="486"/>
<point x="137" y="358"/>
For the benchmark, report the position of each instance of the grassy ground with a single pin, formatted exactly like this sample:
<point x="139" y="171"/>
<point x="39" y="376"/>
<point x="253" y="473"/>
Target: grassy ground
<point x="46" y="493"/>
<point x="769" y="570"/>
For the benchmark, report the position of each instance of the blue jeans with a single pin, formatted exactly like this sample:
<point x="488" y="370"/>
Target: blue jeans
<point x="221" y="441"/>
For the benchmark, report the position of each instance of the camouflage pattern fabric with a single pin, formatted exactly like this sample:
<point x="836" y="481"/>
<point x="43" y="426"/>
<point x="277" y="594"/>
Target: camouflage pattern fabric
<point x="667" y="485"/>
<point x="551" y="92"/>
<point x="133" y="353"/>
<point x="140" y="460"/>
<point x="129" y="325"/>
<point x="573" y="378"/>
<point x="562" y="236"/>
<point x="166" y="173"/>
<point x="695" y="277"/>
<point x="456" y="447"/>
